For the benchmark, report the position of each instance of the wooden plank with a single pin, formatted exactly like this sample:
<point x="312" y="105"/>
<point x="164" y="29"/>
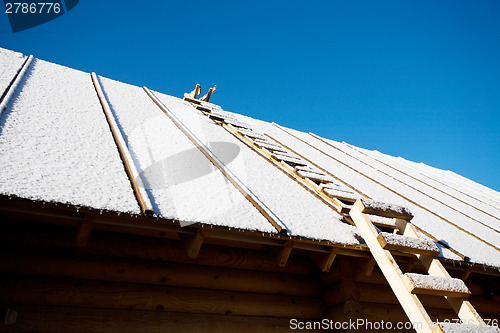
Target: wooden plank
<point x="83" y="230"/>
<point x="324" y="261"/>
<point x="282" y="254"/>
<point x="117" y="295"/>
<point x="385" y="210"/>
<point x="193" y="243"/>
<point x="407" y="244"/>
<point x="436" y="285"/>
<point x="106" y="268"/>
<point x="45" y="319"/>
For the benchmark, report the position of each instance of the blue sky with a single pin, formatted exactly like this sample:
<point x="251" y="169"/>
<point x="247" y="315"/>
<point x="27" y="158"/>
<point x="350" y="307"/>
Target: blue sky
<point x="417" y="79"/>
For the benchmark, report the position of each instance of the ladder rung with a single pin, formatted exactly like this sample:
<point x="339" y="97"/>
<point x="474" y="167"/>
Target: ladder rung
<point x="386" y="210"/>
<point x="348" y="196"/>
<point x="289" y="159"/>
<point x="265" y="141"/>
<point x="236" y="123"/>
<point x="324" y="178"/>
<point x="436" y="285"/>
<point x="407" y="244"/>
<point x="308" y="169"/>
<point x="251" y="134"/>
<point x="467" y="328"/>
<point x="190" y="99"/>
<point x="269" y="147"/>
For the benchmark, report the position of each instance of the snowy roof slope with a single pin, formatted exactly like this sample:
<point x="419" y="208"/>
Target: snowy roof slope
<point x="9" y="66"/>
<point x="56" y="146"/>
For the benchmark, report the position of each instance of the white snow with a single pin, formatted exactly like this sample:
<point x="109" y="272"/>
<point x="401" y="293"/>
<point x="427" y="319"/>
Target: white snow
<point x="437" y="283"/>
<point x="10" y="64"/>
<point x="413" y="180"/>
<point x="181" y="182"/>
<point x="315" y="176"/>
<point x="386" y="207"/>
<point x="302" y="213"/>
<point x="410" y="242"/>
<point x="467" y="328"/>
<point x="56" y="146"/>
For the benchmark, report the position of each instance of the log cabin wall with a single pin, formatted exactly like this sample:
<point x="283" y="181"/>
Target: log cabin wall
<point x="131" y="282"/>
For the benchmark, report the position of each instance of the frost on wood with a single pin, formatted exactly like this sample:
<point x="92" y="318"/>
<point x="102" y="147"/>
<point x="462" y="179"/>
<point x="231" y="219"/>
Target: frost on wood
<point x="467" y="328"/>
<point x="437" y="283"/>
<point x="422" y="244"/>
<point x="315" y="176"/>
<point x="391" y="209"/>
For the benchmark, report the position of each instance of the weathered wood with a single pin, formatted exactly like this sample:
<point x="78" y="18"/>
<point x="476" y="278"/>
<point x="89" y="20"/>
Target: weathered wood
<point x="281" y="254"/>
<point x="193" y="243"/>
<point x="49" y="263"/>
<point x="53" y="319"/>
<point x="340" y="292"/>
<point x="83" y="230"/>
<point x="116" y="295"/>
<point x="119" y="245"/>
<point x="324" y="261"/>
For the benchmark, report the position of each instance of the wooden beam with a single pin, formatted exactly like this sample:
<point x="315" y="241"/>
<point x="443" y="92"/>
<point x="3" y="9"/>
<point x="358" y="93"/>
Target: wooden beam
<point x="83" y="230"/>
<point x="281" y="254"/>
<point x="116" y="295"/>
<point x="36" y="318"/>
<point x="93" y="267"/>
<point x="324" y="261"/>
<point x="122" y="245"/>
<point x="192" y="243"/>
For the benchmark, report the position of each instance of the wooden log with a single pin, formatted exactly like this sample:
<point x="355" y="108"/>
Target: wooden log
<point x="49" y="319"/>
<point x="340" y="292"/>
<point x="84" y="266"/>
<point x="117" y="295"/>
<point x="193" y="243"/>
<point x="119" y="245"/>
<point x="83" y="230"/>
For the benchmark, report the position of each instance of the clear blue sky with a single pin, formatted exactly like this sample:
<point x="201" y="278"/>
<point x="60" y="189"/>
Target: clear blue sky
<point x="417" y="79"/>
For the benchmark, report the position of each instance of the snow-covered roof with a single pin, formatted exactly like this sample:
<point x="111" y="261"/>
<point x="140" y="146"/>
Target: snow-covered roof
<point x="56" y="146"/>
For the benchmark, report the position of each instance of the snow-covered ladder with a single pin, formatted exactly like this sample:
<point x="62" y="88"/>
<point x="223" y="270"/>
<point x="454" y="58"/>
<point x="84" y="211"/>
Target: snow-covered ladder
<point x="407" y="286"/>
<point x="336" y="195"/>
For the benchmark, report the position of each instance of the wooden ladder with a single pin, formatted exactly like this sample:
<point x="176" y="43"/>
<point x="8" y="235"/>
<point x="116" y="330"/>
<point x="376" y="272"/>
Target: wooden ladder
<point x="407" y="287"/>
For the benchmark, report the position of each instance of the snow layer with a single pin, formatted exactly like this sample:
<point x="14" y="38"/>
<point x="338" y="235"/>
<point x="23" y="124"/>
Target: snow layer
<point x="10" y="64"/>
<point x="437" y="283"/>
<point x="346" y="169"/>
<point x="447" y="211"/>
<point x="410" y="242"/>
<point x="467" y="328"/>
<point x="457" y="202"/>
<point x="181" y="182"/>
<point x="302" y="213"/>
<point x="55" y="143"/>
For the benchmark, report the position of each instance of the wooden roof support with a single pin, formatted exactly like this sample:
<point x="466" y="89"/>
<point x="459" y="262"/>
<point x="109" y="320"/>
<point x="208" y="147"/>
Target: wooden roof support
<point x="324" y="261"/>
<point x="192" y="243"/>
<point x="83" y="230"/>
<point x="281" y="254"/>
